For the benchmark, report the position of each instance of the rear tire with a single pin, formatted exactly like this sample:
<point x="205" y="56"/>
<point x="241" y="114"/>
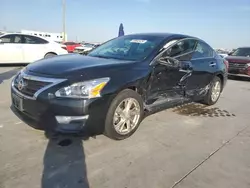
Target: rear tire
<point x="49" y="55"/>
<point x="214" y="92"/>
<point x="124" y="115"/>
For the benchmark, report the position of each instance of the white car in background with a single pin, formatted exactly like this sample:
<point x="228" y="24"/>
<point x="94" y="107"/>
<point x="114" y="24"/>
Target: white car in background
<point x="223" y="55"/>
<point x="23" y="48"/>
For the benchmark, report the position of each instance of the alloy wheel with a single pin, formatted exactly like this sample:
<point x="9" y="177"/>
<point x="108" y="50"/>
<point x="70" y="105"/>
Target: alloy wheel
<point x="216" y="89"/>
<point x="126" y="116"/>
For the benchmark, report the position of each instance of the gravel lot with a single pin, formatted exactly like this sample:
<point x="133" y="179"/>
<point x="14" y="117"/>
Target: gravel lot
<point x="191" y="146"/>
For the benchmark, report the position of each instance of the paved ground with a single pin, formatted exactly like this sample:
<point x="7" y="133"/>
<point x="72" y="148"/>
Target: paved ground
<point x="186" y="147"/>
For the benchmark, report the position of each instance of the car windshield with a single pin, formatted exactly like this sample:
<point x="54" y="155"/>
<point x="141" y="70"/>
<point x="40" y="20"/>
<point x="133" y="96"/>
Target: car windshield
<point x="241" y="52"/>
<point x="132" y="47"/>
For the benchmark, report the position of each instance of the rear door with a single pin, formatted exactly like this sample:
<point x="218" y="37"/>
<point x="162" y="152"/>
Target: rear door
<point x="11" y="49"/>
<point x="204" y="66"/>
<point x="34" y="48"/>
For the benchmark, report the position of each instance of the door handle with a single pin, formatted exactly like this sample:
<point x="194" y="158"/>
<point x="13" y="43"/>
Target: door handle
<point x="212" y="64"/>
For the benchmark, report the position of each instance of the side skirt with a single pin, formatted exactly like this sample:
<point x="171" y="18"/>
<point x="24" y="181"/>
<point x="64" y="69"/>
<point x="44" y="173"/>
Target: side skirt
<point x="164" y="102"/>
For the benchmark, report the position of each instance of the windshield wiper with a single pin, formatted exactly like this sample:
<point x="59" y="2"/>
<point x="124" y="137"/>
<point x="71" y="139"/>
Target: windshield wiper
<point x="105" y="57"/>
<point x="100" y="56"/>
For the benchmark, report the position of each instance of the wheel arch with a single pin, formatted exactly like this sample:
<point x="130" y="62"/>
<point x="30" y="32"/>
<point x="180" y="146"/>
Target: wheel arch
<point x="50" y="53"/>
<point x="138" y="84"/>
<point x="135" y="87"/>
<point x="220" y="75"/>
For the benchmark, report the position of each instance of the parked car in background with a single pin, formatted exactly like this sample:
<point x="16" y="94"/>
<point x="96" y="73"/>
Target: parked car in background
<point x="70" y="46"/>
<point x="85" y="48"/>
<point x="232" y="51"/>
<point x="222" y="53"/>
<point x="22" y="48"/>
<point x="239" y="62"/>
<point x="110" y="89"/>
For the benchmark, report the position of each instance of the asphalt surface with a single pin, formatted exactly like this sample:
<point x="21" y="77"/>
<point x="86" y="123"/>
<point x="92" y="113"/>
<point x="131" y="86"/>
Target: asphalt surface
<point x="191" y="146"/>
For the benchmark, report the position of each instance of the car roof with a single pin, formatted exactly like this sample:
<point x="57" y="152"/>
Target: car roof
<point x="168" y="36"/>
<point x="165" y="35"/>
<point x="17" y="34"/>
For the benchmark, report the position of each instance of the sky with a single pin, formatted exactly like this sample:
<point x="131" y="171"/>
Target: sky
<point x="221" y="23"/>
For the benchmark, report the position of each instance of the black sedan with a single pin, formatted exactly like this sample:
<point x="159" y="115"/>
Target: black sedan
<point x="112" y="89"/>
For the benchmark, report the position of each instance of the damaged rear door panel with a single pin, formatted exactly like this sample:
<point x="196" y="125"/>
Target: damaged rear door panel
<point x="182" y="72"/>
<point x="204" y="66"/>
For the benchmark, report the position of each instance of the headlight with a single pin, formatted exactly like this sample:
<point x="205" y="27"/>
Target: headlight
<point x="22" y="70"/>
<point x="248" y="65"/>
<point x="88" y="89"/>
<point x="18" y="74"/>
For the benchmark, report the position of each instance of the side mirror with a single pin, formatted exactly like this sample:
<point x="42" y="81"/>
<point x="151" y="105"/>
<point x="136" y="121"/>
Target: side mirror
<point x="169" y="62"/>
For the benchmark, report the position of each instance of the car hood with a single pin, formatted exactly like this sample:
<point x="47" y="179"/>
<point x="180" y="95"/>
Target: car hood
<point x="71" y="64"/>
<point x="238" y="59"/>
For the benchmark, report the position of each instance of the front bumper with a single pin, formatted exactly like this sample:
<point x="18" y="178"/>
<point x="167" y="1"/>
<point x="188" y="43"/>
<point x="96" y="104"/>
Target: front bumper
<point x="61" y="114"/>
<point x="243" y="72"/>
<point x="239" y="75"/>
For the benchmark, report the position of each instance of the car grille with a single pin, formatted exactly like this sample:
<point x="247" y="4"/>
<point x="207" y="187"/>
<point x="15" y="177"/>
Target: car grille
<point x="31" y="86"/>
<point x="235" y="65"/>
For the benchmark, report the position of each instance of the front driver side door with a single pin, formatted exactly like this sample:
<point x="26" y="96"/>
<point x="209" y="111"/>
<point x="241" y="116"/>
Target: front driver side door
<point x="169" y="78"/>
<point x="11" y="49"/>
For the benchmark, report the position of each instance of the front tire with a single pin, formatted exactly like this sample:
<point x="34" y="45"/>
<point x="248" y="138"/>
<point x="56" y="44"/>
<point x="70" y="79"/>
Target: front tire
<point x="124" y="115"/>
<point x="214" y="92"/>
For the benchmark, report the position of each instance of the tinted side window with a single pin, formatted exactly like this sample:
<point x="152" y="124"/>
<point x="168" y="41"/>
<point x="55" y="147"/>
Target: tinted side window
<point x="202" y="50"/>
<point x="182" y="50"/>
<point x="11" y="39"/>
<point x="33" y="40"/>
<point x="17" y="39"/>
<point x="7" y="39"/>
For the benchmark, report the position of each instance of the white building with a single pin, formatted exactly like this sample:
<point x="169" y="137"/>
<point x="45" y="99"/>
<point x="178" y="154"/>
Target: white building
<point x="58" y="37"/>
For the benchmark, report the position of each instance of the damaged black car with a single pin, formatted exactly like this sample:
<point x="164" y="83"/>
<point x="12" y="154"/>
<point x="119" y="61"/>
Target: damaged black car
<point x="116" y="85"/>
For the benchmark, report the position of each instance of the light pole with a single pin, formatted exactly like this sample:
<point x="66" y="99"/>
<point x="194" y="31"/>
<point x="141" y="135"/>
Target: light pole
<point x="63" y="6"/>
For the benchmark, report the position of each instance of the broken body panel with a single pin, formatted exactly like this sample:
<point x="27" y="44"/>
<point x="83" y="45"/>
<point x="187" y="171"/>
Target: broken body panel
<point x="185" y="79"/>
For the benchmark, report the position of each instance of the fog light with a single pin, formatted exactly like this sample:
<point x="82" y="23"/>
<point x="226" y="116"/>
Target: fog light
<point x="68" y="119"/>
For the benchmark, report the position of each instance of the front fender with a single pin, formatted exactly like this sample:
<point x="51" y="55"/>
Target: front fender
<point x="137" y="79"/>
